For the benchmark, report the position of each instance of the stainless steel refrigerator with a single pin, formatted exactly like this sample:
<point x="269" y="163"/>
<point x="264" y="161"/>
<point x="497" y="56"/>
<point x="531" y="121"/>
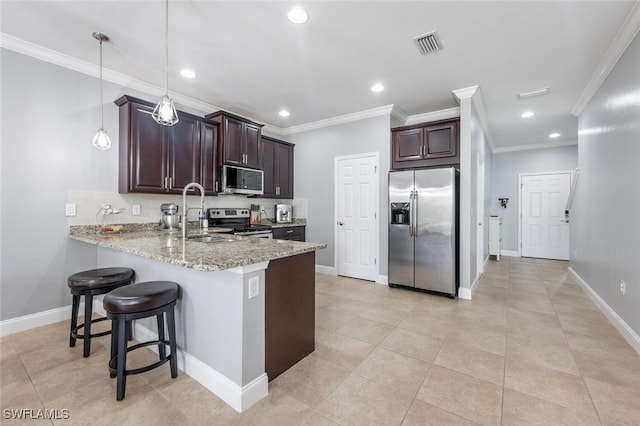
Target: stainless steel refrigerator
<point x="423" y="229"/>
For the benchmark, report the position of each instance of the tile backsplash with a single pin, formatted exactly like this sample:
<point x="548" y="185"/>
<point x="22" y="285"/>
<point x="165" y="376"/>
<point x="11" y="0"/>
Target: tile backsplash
<point x="89" y="204"/>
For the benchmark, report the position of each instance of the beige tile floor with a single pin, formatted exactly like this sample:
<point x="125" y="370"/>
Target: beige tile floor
<point x="529" y="349"/>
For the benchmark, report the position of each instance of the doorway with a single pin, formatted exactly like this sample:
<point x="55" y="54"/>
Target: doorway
<point x="544" y="230"/>
<point x="356" y="215"/>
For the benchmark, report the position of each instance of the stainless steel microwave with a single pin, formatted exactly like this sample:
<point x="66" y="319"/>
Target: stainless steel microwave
<point x="240" y="180"/>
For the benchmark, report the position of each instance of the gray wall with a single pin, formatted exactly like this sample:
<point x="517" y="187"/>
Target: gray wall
<point x="605" y="225"/>
<point x="506" y="168"/>
<point x="314" y="177"/>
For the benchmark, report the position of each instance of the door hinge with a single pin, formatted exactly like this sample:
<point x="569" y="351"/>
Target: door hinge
<point x="375" y="215"/>
<point x="375" y="169"/>
<point x="375" y="261"/>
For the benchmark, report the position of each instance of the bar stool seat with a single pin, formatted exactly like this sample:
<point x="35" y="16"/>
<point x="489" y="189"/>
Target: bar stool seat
<point x="88" y="284"/>
<point x="141" y="300"/>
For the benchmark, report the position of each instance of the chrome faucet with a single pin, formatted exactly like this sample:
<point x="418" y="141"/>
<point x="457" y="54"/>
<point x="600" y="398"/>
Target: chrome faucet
<point x="185" y="211"/>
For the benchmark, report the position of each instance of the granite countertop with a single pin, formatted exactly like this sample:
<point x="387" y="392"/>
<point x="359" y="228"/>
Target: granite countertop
<point x="168" y="247"/>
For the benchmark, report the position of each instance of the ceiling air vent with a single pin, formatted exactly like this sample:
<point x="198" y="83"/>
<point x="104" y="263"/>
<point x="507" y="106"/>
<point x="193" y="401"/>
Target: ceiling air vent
<point x="427" y="43"/>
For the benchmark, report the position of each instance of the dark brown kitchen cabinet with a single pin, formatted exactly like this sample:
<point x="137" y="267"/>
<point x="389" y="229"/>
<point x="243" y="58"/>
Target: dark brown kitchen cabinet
<point x="277" y="165"/>
<point x="239" y="140"/>
<point x="293" y="233"/>
<point x="423" y="145"/>
<point x="162" y="159"/>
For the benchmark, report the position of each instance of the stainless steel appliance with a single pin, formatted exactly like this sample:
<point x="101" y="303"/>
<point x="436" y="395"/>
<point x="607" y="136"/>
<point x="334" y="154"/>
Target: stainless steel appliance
<point x="284" y="213"/>
<point x="170" y="220"/>
<point x="423" y="229"/>
<point x="240" y="180"/>
<point x="238" y="221"/>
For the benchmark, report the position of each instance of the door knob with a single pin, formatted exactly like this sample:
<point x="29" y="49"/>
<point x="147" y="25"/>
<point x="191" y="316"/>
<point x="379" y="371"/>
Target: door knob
<point x="340" y="223"/>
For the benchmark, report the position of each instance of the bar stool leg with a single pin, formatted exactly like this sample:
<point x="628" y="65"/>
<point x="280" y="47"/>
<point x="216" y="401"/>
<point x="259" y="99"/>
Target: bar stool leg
<point x="75" y="306"/>
<point x="171" y="324"/>
<point x="161" y="336"/>
<point x="121" y="358"/>
<point x="88" y="310"/>
<point x="114" y="346"/>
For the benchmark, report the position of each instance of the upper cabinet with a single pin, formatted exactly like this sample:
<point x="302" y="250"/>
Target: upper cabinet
<point x="424" y="145"/>
<point x="277" y="164"/>
<point x="239" y="140"/>
<point x="162" y="159"/>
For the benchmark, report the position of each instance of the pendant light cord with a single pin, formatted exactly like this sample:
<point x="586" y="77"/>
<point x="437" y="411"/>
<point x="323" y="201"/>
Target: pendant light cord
<point x="101" y="90"/>
<point x="166" y="47"/>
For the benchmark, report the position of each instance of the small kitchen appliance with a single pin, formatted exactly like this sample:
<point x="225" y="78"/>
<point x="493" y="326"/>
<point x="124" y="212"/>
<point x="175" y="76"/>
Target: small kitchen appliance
<point x="238" y="221"/>
<point x="284" y="213"/>
<point x="170" y="220"/>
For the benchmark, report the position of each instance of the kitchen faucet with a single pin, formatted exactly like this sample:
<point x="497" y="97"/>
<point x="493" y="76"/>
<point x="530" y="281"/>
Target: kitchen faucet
<point x="185" y="211"/>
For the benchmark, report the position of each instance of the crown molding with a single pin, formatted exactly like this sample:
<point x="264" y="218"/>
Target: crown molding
<point x="465" y="93"/>
<point x="544" y="145"/>
<point x="618" y="46"/>
<point x="399" y="114"/>
<point x="341" y="119"/>
<point x="442" y="114"/>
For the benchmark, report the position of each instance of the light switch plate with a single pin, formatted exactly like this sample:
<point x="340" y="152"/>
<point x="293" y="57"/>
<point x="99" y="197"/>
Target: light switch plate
<point x="135" y="210"/>
<point x="69" y="209"/>
<point x="254" y="287"/>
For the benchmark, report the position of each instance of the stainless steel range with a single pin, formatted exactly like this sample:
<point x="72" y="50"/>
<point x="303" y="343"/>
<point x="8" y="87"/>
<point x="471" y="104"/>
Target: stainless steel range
<point x="238" y="220"/>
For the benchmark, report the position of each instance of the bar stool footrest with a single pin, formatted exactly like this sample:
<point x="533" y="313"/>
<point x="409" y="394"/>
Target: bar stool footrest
<point x="113" y="361"/>
<point x="75" y="335"/>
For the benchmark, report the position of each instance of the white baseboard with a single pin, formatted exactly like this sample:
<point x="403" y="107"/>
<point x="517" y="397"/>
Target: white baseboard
<point x="382" y="279"/>
<point x="329" y="270"/>
<point x="510" y="253"/>
<point x="484" y="265"/>
<point x="39" y="319"/>
<point x="240" y="398"/>
<point x="465" y="293"/>
<point x="627" y="332"/>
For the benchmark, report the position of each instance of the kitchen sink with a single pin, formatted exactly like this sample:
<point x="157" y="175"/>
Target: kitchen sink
<point x="209" y="239"/>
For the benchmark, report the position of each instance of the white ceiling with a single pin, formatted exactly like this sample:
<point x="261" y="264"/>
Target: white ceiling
<point x="252" y="61"/>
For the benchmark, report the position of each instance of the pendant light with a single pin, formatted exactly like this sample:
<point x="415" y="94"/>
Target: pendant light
<point x="165" y="112"/>
<point x="101" y="139"/>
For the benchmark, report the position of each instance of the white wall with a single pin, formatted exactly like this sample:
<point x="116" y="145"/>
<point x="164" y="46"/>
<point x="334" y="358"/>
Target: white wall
<point x="314" y="177"/>
<point x="605" y="224"/>
<point x="505" y="170"/>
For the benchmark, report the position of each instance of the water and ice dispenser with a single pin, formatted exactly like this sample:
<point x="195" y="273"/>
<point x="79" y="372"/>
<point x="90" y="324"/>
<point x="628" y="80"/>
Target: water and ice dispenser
<point x="399" y="213"/>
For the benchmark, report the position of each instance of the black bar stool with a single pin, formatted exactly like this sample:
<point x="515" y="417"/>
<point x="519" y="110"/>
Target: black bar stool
<point x="141" y="300"/>
<point x="88" y="284"/>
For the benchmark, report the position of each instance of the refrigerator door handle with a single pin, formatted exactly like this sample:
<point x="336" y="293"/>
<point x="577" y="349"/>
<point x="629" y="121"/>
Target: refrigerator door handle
<point x="411" y="214"/>
<point x="415" y="213"/>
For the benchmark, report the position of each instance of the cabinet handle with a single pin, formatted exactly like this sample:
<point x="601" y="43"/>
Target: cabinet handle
<point x="216" y="186"/>
<point x="165" y="185"/>
<point x="277" y="190"/>
<point x="171" y="183"/>
<point x="289" y="231"/>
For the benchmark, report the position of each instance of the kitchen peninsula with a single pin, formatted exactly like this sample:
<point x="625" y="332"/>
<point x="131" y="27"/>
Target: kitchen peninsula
<point x="246" y="310"/>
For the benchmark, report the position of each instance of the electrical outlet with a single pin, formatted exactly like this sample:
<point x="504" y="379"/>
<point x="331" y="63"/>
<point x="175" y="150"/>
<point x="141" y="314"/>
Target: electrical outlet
<point x="135" y="210"/>
<point x="69" y="209"/>
<point x="254" y="287"/>
<point x="623" y="287"/>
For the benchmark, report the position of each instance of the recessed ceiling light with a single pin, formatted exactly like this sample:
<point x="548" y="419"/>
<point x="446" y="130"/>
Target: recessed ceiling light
<point x="554" y="135"/>
<point x="284" y="113"/>
<point x="377" y="87"/>
<point x="297" y="16"/>
<point x="527" y="114"/>
<point x="187" y="73"/>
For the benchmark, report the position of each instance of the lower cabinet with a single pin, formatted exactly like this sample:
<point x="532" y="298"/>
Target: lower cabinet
<point x="293" y="233"/>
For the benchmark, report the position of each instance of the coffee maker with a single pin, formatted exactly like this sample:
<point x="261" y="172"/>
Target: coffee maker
<point x="170" y="220"/>
<point x="284" y="213"/>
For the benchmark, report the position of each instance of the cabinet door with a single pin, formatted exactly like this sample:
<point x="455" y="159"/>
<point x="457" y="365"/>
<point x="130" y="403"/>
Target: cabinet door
<point x="184" y="158"/>
<point x="284" y="170"/>
<point x="407" y="145"/>
<point x="148" y="152"/>
<point x="441" y="140"/>
<point x="269" y="164"/>
<point x="252" y="146"/>
<point x="208" y="147"/>
<point x="232" y="143"/>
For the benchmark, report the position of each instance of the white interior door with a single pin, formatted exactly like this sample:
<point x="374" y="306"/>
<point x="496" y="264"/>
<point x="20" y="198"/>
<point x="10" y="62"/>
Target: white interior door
<point x="356" y="216"/>
<point x="545" y="232"/>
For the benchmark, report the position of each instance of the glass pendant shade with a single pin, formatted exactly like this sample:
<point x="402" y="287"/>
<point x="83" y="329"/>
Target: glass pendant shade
<point x="165" y="112"/>
<point x="101" y="140"/>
